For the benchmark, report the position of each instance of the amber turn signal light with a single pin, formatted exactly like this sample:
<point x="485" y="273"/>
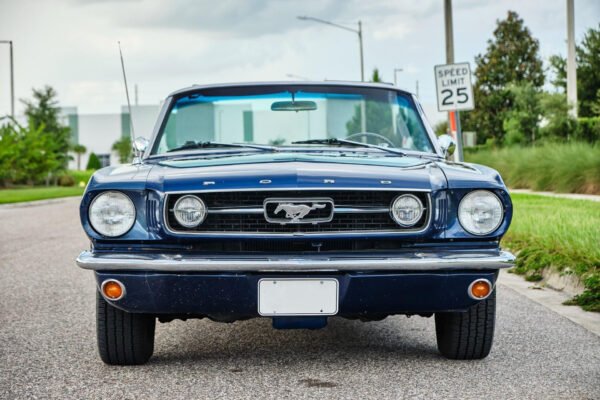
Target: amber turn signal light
<point x="112" y="289"/>
<point x="480" y="289"/>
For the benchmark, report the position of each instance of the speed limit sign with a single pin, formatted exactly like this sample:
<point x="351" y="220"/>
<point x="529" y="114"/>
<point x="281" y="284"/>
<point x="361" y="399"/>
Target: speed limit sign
<point x="454" y="88"/>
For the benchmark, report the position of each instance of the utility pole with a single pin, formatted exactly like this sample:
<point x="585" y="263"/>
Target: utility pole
<point x="571" y="63"/>
<point x="453" y="116"/>
<point x="135" y="88"/>
<point x="417" y="93"/>
<point x="12" y="77"/>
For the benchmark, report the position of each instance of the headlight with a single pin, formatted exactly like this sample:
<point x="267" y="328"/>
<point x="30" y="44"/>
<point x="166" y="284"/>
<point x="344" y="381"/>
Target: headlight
<point x="112" y="214"/>
<point x="407" y="210"/>
<point x="189" y="211"/>
<point x="480" y="212"/>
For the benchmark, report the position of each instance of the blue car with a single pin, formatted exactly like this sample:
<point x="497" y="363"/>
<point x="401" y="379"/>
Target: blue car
<point x="297" y="202"/>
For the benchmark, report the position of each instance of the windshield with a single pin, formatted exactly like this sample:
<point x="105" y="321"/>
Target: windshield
<point x="285" y="115"/>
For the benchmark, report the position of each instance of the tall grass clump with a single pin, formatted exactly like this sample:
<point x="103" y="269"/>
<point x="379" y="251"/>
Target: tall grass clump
<point x="557" y="167"/>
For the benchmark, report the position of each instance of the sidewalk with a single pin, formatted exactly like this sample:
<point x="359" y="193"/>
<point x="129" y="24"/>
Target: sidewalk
<point x="574" y="196"/>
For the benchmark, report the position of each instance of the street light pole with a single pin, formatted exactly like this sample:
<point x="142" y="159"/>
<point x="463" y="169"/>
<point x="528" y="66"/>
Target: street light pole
<point x="356" y="31"/>
<point x="396" y="70"/>
<point x="12" y="77"/>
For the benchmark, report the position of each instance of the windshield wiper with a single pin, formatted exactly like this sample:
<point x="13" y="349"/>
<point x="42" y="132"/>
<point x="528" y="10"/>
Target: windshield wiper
<point x="190" y="145"/>
<point x="344" y="142"/>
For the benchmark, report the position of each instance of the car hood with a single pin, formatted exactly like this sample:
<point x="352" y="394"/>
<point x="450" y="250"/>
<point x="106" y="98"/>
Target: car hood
<point x="297" y="170"/>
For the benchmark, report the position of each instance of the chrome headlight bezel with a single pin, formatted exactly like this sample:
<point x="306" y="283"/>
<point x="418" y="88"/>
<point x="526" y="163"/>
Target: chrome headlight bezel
<point x="129" y="213"/>
<point x="414" y="220"/>
<point x="202" y="210"/>
<point x="467" y="225"/>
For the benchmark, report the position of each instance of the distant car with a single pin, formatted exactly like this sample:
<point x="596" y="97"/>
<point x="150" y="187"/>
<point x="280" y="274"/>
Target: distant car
<point x="296" y="202"/>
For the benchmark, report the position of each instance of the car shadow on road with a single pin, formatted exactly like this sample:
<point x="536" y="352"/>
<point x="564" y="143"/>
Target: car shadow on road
<point x="205" y="340"/>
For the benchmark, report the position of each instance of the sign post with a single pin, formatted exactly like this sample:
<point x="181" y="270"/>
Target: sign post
<point x="454" y="93"/>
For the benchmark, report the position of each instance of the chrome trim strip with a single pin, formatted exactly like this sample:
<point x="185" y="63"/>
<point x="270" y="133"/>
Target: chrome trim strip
<point x="400" y="231"/>
<point x="361" y="210"/>
<point x="483" y="260"/>
<point x="282" y="189"/>
<point x="340" y="210"/>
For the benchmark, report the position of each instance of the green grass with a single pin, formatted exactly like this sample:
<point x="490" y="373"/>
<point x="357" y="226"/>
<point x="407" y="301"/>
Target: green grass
<point x="557" y="167"/>
<point x="19" y="195"/>
<point x="561" y="234"/>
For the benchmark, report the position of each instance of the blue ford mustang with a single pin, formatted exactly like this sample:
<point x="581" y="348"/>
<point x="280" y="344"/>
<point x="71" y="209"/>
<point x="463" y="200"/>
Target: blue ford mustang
<point x="296" y="202"/>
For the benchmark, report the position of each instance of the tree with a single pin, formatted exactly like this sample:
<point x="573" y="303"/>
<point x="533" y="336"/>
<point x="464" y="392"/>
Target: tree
<point x="511" y="57"/>
<point x="78" y="149"/>
<point x="521" y="121"/>
<point x="588" y="72"/>
<point x="376" y="77"/>
<point x="557" y="124"/>
<point x="558" y="66"/>
<point x="93" y="162"/>
<point x="43" y="113"/>
<point x="123" y="149"/>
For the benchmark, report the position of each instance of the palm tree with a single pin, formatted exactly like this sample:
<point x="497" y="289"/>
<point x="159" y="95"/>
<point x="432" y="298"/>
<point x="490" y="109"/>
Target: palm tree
<point x="78" y="149"/>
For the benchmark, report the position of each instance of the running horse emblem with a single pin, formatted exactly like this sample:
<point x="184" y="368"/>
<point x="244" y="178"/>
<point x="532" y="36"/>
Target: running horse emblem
<point x="295" y="212"/>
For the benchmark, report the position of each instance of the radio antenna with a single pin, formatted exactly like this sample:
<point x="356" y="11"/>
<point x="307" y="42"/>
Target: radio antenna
<point x="131" y="131"/>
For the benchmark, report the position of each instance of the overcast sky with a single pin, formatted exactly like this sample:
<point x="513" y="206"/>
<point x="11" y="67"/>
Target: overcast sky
<point x="72" y="44"/>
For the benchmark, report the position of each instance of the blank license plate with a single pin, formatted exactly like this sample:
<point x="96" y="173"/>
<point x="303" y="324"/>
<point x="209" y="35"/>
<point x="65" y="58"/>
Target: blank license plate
<point x="288" y="297"/>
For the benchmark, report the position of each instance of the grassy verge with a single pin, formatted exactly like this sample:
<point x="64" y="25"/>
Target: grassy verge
<point x="19" y="195"/>
<point x="557" y="167"/>
<point x="561" y="234"/>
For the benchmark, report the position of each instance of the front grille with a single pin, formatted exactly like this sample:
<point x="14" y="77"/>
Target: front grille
<point x="242" y="212"/>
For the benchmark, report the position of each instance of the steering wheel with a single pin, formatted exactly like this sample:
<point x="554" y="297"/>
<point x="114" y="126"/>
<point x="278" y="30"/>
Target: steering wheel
<point x="371" y="134"/>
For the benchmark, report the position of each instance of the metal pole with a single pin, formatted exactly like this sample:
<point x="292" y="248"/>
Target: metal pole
<point x="12" y="76"/>
<point x="417" y="89"/>
<point x="458" y="155"/>
<point x="362" y="61"/>
<point x="396" y="70"/>
<point x="571" y="62"/>
<point x="449" y="32"/>
<point x="12" y="80"/>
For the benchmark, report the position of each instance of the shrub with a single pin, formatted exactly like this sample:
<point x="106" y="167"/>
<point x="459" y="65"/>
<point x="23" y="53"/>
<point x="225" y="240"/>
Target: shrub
<point x="66" y="180"/>
<point x="93" y="162"/>
<point x="588" y="129"/>
<point x="81" y="176"/>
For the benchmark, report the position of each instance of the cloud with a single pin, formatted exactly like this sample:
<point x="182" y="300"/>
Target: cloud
<point x="255" y="18"/>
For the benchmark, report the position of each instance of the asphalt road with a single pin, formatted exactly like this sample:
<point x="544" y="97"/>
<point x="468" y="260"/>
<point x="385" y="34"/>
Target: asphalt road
<point x="48" y="347"/>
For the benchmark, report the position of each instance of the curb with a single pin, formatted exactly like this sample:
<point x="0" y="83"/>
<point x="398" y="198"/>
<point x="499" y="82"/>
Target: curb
<point x="553" y="300"/>
<point x="572" y="196"/>
<point x="36" y="202"/>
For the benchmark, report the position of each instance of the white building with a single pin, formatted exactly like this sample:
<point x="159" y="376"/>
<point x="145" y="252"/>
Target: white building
<point x="98" y="132"/>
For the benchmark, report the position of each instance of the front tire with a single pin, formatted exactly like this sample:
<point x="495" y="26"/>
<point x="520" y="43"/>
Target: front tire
<point x="467" y="335"/>
<point x="123" y="338"/>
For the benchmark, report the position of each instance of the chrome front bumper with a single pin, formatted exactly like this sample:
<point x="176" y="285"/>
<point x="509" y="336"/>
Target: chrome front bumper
<point x="417" y="261"/>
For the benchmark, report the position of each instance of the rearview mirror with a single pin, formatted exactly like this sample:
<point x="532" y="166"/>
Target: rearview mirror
<point x="447" y="144"/>
<point x="294" y="106"/>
